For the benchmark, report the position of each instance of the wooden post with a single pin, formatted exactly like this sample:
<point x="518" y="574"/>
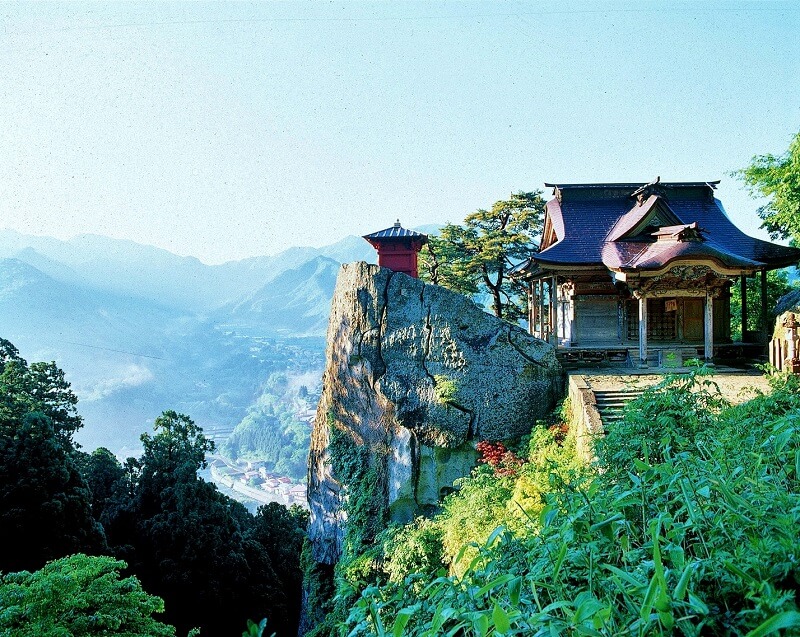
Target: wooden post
<point x="708" y="327"/>
<point x="531" y="307"/>
<point x="553" y="310"/>
<point x="541" y="309"/>
<point x="764" y="327"/>
<point x="643" y="330"/>
<point x="743" y="288"/>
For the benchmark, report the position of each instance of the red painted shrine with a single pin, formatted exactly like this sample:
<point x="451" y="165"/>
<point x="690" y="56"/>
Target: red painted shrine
<point x="398" y="248"/>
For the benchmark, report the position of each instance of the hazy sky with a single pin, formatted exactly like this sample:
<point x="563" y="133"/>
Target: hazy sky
<point x="230" y="130"/>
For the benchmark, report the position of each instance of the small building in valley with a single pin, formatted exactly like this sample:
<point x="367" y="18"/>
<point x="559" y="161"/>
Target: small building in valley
<point x="629" y="272"/>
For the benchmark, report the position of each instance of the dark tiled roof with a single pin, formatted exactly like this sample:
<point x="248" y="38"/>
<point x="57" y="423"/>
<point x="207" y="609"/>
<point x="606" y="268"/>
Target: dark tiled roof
<point x="632" y="187"/>
<point x="652" y="256"/>
<point x="395" y="232"/>
<point x="584" y="216"/>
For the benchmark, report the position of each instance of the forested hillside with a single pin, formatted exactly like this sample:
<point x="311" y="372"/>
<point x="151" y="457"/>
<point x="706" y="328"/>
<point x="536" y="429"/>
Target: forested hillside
<point x="686" y="524"/>
<point x="174" y="537"/>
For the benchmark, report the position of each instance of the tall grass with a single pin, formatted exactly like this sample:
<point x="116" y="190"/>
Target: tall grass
<point x="688" y="525"/>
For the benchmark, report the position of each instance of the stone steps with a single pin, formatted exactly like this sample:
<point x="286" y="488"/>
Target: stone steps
<point x="611" y="403"/>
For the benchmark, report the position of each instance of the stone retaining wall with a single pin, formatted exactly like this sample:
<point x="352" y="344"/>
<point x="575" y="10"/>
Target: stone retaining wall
<point x="584" y="415"/>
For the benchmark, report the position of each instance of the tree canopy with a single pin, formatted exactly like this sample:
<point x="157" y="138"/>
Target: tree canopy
<point x="201" y="551"/>
<point x="45" y="506"/>
<point x="777" y="177"/>
<point x="212" y="563"/>
<point x="476" y="257"/>
<point x="79" y="596"/>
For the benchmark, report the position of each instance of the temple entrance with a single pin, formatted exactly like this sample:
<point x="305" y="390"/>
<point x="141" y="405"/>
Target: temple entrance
<point x="693" y="319"/>
<point x="676" y="320"/>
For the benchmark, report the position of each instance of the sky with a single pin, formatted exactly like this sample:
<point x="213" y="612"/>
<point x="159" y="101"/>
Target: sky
<point x="230" y="130"/>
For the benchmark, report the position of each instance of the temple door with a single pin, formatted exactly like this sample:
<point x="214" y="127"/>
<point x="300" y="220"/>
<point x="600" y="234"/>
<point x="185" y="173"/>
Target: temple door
<point x="693" y="320"/>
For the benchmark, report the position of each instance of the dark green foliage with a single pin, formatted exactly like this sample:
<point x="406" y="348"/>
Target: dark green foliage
<point x="256" y="630"/>
<point x="690" y="528"/>
<point x="45" y="510"/>
<point x="212" y="562"/>
<point x="199" y="550"/>
<point x="671" y="418"/>
<point x="281" y="532"/>
<point x="103" y="474"/>
<point x="364" y="485"/>
<point x="777" y="285"/>
<point x="778" y="179"/>
<point x="477" y="256"/>
<point x="319" y="590"/>
<point x="38" y="388"/>
<point x="78" y="596"/>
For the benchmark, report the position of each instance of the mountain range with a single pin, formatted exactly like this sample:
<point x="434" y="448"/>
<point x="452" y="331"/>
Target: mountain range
<point x="138" y="329"/>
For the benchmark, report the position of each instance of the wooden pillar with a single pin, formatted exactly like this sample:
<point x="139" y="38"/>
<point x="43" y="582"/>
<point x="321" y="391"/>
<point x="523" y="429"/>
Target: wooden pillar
<point x="531" y="307"/>
<point x="553" y="310"/>
<point x="743" y="288"/>
<point x="764" y="327"/>
<point x="643" y="330"/>
<point x="709" y="328"/>
<point x="541" y="309"/>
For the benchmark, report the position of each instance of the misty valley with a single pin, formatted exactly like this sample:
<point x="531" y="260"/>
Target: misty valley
<point x="136" y="329"/>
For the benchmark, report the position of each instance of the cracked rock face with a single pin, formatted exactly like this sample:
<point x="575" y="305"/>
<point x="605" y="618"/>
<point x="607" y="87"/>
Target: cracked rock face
<point x="418" y="374"/>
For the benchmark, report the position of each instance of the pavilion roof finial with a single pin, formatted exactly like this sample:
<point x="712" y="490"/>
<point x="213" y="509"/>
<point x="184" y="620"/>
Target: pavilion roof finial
<point x="397" y="224"/>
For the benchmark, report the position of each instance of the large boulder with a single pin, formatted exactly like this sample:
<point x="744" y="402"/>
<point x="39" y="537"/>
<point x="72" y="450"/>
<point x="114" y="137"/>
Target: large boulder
<point x="415" y="376"/>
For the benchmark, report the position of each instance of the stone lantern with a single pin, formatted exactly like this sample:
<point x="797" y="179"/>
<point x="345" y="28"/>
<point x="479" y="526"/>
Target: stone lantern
<point x="792" y="361"/>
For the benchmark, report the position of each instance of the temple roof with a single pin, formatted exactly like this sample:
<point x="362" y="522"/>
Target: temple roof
<point x="615" y="225"/>
<point x="396" y="232"/>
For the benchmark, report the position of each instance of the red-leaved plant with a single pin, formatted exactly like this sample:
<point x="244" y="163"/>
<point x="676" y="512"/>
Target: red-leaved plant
<point x="505" y="463"/>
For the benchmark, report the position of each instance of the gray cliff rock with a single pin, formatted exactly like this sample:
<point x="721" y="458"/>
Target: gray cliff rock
<point x="415" y="376"/>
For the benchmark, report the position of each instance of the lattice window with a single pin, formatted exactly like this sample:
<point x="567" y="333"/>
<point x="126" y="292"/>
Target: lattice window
<point x="661" y="325"/>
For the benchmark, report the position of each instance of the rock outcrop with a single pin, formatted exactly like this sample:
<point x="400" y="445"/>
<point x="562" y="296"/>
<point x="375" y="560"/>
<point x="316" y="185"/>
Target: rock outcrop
<point x="415" y="376"/>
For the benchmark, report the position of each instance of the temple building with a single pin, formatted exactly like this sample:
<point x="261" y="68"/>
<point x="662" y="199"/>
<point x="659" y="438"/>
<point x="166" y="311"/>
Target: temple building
<point x="636" y="274"/>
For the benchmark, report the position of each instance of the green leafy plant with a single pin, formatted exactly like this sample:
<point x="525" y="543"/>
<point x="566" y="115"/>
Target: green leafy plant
<point x="256" y="630"/>
<point x="79" y="596"/>
<point x="687" y="525"/>
<point x="445" y="389"/>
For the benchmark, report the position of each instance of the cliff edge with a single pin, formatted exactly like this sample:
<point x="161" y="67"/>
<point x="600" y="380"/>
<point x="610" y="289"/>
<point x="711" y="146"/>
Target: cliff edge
<point x="415" y="376"/>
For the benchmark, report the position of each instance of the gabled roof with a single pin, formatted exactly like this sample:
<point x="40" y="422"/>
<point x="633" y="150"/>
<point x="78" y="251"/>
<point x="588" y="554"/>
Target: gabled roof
<point x="653" y="256"/>
<point x="603" y="225"/>
<point x="654" y="211"/>
<point x="679" y="232"/>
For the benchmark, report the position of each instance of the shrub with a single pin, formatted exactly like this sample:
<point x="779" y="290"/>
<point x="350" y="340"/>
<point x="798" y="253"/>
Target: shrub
<point x="80" y="596"/>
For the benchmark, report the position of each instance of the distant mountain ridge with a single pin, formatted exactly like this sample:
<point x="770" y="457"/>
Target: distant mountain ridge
<point x="128" y="268"/>
<point x="138" y="329"/>
<point x="297" y="301"/>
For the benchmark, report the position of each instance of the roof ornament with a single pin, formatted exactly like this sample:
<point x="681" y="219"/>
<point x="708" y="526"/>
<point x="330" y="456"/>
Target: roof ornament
<point x="397" y="224"/>
<point x="646" y="191"/>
